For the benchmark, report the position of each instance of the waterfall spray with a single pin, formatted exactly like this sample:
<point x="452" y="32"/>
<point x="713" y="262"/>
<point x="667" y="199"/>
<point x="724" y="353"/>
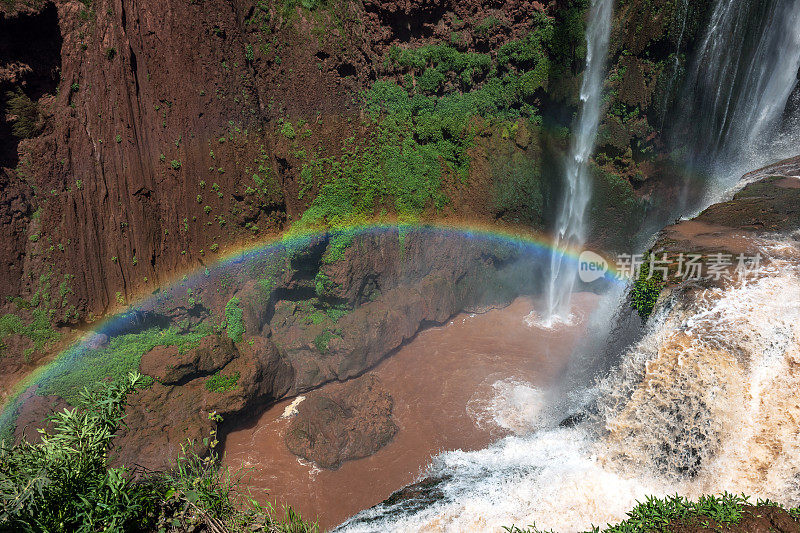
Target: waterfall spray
<point x="743" y="76"/>
<point x="571" y="223"/>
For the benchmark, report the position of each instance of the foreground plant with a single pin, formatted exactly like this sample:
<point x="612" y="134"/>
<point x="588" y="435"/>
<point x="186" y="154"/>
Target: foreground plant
<point x="671" y="512"/>
<point x="64" y="482"/>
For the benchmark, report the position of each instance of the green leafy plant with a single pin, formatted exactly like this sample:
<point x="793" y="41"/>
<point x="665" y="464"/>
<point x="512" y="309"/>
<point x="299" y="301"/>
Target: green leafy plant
<point x="646" y="290"/>
<point x="26" y="121"/>
<point x="64" y="483"/>
<point x="234" y="319"/>
<point x="221" y="383"/>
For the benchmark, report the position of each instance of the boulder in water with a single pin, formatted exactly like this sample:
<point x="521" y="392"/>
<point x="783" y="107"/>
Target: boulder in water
<point x="344" y="421"/>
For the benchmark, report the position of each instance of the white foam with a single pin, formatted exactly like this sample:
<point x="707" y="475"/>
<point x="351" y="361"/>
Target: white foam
<point x="291" y="409"/>
<point x="508" y="404"/>
<point x="711" y="388"/>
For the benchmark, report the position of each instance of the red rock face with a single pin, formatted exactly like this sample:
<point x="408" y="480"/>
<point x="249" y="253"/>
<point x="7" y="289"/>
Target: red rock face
<point x="385" y="291"/>
<point x="151" y="99"/>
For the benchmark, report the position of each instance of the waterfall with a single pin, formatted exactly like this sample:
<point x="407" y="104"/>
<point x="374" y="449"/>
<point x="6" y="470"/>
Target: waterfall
<point x="676" y="64"/>
<point x="571" y="223"/>
<point x="705" y="401"/>
<point x="743" y="75"/>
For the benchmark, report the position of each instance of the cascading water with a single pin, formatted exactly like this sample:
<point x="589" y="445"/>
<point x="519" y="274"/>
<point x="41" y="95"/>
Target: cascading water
<point x="744" y="74"/>
<point x="571" y="223"/>
<point x="684" y="10"/>
<point x="705" y="402"/>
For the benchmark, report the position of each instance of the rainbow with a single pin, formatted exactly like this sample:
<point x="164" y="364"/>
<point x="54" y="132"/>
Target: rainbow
<point x="530" y="242"/>
<point x="534" y="241"/>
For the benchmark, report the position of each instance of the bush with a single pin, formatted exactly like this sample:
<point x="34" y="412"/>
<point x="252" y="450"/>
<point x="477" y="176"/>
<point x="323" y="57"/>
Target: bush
<point x="646" y="290"/>
<point x="64" y="483"/>
<point x="27" y="121"/>
<point x="322" y="340"/>
<point x="234" y="319"/>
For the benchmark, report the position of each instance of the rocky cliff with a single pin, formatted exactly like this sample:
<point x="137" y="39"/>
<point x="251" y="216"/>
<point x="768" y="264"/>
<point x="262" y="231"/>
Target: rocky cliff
<point x="141" y="139"/>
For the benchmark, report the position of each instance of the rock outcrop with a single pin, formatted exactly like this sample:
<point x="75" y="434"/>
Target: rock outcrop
<point x="283" y="322"/>
<point x="348" y="421"/>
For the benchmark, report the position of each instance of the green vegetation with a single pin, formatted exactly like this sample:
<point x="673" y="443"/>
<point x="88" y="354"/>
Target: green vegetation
<point x="65" y="483"/>
<point x="662" y="514"/>
<point x="420" y="131"/>
<point x="26" y="123"/>
<point x="338" y="242"/>
<point x="286" y="129"/>
<point x="234" y="319"/>
<point x="322" y="340"/>
<point x="81" y="367"/>
<point x="646" y="289"/>
<point x="222" y="383"/>
<point x="39" y="330"/>
<point x="487" y="25"/>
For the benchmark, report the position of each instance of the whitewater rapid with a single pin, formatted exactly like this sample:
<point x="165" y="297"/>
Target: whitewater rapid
<point x="705" y="402"/>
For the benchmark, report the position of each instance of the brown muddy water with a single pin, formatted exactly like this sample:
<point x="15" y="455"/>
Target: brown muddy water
<point x="443" y="382"/>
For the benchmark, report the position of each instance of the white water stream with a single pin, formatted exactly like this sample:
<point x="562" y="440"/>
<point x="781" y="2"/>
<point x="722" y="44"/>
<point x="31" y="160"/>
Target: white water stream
<point x="737" y="92"/>
<point x="571" y="225"/>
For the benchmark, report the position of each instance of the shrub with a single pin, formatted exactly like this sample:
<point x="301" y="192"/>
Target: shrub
<point x="234" y="319"/>
<point x="27" y="121"/>
<point x="322" y="340"/>
<point x="64" y="483"/>
<point x="287" y="130"/>
<point x="646" y="290"/>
